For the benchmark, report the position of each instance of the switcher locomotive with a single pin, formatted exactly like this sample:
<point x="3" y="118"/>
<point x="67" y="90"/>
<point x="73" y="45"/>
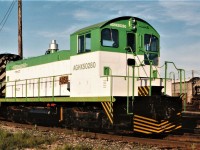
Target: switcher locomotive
<point x="109" y="79"/>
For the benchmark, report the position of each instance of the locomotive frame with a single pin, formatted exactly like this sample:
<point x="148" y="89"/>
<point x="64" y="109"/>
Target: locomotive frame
<point x="108" y="79"/>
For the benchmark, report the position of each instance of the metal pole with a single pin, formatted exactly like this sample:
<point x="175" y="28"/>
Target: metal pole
<point x="150" y="78"/>
<point x="39" y="89"/>
<point x="180" y="70"/>
<point x="133" y="84"/>
<point x="193" y="82"/>
<point x="165" y="77"/>
<point x="192" y="73"/>
<point x="53" y="90"/>
<point x="20" y="45"/>
<point x="185" y="100"/>
<point x="173" y="82"/>
<point x="133" y="90"/>
<point x="26" y="89"/>
<point x="127" y="100"/>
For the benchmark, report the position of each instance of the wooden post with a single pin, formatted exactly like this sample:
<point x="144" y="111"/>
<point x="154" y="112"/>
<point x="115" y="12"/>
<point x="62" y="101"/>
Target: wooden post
<point x="20" y="44"/>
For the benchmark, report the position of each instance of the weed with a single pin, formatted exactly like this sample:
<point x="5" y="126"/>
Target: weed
<point x="22" y="140"/>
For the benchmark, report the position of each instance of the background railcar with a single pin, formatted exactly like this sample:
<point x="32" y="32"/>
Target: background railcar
<point x="191" y="114"/>
<point x="4" y="60"/>
<point x="110" y="78"/>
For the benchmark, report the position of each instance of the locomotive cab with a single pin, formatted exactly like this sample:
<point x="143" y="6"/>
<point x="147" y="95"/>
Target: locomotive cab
<point x="109" y="45"/>
<point x="124" y="34"/>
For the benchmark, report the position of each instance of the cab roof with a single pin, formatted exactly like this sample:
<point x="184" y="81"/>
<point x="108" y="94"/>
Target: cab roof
<point x="104" y="23"/>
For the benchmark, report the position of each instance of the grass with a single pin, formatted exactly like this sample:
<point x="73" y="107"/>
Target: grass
<point x="77" y="147"/>
<point x="22" y="140"/>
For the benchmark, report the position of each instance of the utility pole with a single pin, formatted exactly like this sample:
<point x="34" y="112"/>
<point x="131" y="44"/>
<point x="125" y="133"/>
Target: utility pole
<point x="20" y="43"/>
<point x="193" y="82"/>
<point x="192" y="73"/>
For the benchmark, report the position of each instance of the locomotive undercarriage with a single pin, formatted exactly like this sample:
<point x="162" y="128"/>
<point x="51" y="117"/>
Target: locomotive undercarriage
<point x="71" y="115"/>
<point x="146" y="115"/>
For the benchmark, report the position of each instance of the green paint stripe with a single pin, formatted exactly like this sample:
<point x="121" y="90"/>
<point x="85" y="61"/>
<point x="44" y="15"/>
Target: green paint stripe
<point x="58" y="99"/>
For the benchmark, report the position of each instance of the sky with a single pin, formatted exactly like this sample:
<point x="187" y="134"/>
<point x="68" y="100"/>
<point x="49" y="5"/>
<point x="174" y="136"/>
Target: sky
<point x="177" y="22"/>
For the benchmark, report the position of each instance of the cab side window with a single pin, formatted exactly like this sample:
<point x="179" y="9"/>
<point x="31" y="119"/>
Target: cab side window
<point x="110" y="38"/>
<point x="81" y="44"/>
<point x="88" y="42"/>
<point x="84" y="43"/>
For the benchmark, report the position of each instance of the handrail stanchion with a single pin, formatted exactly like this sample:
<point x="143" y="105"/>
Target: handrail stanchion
<point x="173" y="79"/>
<point x="53" y="88"/>
<point x="39" y="89"/>
<point x="26" y="90"/>
<point x="150" y="80"/>
<point x="165" y="78"/>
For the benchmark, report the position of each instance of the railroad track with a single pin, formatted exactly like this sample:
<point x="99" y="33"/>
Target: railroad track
<point x="186" y="137"/>
<point x="184" y="142"/>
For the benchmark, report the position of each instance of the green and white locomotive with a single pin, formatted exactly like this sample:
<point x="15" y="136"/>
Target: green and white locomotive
<point x="109" y="79"/>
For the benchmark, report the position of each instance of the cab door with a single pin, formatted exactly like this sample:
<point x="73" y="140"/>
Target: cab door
<point x="130" y="38"/>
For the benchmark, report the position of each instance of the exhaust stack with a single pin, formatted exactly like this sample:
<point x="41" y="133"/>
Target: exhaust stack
<point x="53" y="47"/>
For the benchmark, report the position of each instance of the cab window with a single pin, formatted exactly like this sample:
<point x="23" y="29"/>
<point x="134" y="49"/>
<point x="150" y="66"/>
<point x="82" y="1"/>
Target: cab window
<point x="84" y="43"/>
<point x="110" y="38"/>
<point x="87" y="42"/>
<point x="151" y="45"/>
<point x="81" y="44"/>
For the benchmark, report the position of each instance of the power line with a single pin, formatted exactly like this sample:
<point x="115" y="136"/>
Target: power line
<point x="5" y="18"/>
<point x="6" y="13"/>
